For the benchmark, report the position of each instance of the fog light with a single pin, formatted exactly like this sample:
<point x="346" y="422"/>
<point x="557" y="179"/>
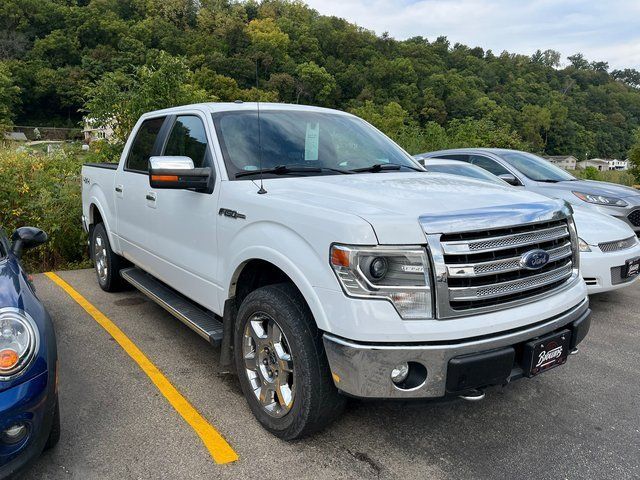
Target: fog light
<point x="399" y="373"/>
<point x="14" y="433"/>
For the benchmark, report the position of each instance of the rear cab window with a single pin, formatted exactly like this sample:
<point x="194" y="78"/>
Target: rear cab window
<point x="144" y="145"/>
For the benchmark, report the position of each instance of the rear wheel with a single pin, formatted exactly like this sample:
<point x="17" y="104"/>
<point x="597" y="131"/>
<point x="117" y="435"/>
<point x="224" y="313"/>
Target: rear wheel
<point x="282" y="367"/>
<point x="107" y="264"/>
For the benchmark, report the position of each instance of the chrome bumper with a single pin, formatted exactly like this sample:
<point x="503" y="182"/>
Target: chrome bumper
<point x="364" y="370"/>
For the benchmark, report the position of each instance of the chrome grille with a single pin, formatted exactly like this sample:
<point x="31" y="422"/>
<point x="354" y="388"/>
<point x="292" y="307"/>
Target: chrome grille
<point x="618" y="244"/>
<point x="483" y="269"/>
<point x="506" y="241"/>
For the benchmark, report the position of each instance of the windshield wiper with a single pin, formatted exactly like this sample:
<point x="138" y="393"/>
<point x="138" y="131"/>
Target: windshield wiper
<point x="284" y="169"/>
<point x="379" y="167"/>
<point x="548" y="180"/>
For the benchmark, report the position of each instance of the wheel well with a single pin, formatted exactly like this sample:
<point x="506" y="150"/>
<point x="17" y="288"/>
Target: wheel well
<point x="253" y="275"/>
<point x="95" y="216"/>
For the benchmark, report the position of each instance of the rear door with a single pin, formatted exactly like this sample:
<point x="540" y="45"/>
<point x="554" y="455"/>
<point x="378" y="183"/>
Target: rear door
<point x="132" y="192"/>
<point x="182" y="224"/>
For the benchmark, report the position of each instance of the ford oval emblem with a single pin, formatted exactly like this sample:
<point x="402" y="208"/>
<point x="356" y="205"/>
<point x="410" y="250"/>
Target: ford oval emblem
<point x="534" y="259"/>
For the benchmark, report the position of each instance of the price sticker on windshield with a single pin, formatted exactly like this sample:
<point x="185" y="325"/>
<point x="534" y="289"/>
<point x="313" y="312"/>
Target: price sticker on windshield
<point x="311" y="142"/>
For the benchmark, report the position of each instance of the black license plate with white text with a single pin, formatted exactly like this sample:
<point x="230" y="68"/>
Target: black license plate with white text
<point x="546" y="353"/>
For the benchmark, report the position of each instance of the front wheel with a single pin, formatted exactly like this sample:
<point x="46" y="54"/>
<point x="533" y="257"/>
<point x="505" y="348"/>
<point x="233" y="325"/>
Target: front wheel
<point x="281" y="363"/>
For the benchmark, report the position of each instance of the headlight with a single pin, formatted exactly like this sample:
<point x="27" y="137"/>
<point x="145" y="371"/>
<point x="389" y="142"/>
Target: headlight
<point x="18" y="342"/>
<point x="584" y="246"/>
<point x="397" y="274"/>
<point x="601" y="199"/>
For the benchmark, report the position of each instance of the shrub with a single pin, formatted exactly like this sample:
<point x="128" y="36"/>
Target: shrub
<point x="45" y="191"/>
<point x="614" y="176"/>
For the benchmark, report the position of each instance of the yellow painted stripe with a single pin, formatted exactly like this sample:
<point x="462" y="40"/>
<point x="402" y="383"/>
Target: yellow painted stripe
<point x="220" y="450"/>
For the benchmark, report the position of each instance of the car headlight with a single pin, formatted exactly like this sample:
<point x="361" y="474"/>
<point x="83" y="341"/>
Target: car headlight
<point x="584" y="246"/>
<point x="601" y="199"/>
<point x="18" y="342"/>
<point x="400" y="275"/>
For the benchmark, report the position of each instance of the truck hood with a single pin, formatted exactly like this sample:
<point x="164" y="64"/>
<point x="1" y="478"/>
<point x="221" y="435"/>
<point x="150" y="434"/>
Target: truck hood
<point x="393" y="202"/>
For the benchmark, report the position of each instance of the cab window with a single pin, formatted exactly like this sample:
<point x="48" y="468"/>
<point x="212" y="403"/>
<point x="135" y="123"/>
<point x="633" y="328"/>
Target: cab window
<point x="188" y="139"/>
<point x="143" y="145"/>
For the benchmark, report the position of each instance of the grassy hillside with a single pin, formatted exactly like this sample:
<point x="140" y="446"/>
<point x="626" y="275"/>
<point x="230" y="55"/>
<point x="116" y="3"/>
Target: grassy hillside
<point x="57" y="54"/>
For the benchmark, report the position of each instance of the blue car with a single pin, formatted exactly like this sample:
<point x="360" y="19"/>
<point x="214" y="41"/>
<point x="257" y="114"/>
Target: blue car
<point x="29" y="413"/>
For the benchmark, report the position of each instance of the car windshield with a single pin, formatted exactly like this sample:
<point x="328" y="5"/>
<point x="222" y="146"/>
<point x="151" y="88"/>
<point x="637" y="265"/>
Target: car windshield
<point x="536" y="168"/>
<point x="297" y="142"/>
<point x="466" y="171"/>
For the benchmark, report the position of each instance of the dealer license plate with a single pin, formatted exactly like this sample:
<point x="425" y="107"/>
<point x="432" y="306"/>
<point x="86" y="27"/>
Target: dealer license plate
<point x="546" y="352"/>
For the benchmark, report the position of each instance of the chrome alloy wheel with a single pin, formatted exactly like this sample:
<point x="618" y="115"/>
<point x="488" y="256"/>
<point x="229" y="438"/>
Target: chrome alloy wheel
<point x="268" y="364"/>
<point x="100" y="257"/>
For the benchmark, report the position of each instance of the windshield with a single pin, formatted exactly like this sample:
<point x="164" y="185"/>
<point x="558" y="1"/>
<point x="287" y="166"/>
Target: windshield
<point x="306" y="142"/>
<point x="465" y="171"/>
<point x="536" y="168"/>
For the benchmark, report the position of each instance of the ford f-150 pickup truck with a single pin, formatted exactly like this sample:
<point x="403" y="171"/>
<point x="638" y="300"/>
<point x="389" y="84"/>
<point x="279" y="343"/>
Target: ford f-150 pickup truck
<point x="325" y="262"/>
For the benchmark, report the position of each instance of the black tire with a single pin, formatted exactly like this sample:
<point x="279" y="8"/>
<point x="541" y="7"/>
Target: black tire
<point x="316" y="401"/>
<point x="54" y="434"/>
<point x="109" y="279"/>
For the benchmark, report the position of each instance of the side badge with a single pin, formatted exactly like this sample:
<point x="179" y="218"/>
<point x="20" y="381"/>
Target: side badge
<point x="231" y="213"/>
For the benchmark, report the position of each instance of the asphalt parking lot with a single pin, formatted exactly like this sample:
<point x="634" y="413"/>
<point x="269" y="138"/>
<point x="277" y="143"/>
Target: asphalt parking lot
<point x="578" y="421"/>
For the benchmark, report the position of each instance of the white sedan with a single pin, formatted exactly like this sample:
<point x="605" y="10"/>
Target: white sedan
<point x="609" y="248"/>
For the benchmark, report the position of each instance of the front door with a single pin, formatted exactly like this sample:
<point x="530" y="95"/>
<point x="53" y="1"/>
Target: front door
<point x="182" y="224"/>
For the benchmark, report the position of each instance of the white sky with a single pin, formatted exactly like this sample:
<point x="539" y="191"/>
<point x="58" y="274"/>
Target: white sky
<point x="601" y="30"/>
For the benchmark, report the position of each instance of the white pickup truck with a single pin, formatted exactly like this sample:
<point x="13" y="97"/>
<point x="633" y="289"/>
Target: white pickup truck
<point x="324" y="261"/>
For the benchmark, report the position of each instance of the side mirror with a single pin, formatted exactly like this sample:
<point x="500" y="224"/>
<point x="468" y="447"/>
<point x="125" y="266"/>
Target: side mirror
<point x="178" y="173"/>
<point x="510" y="179"/>
<point x="25" y="238"/>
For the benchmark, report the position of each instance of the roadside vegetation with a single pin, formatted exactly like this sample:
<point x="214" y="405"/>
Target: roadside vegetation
<point x="44" y="191"/>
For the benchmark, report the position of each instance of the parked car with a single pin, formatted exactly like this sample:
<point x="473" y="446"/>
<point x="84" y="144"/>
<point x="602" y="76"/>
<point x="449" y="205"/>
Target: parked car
<point x="538" y="175"/>
<point x="609" y="249"/>
<point x="29" y="412"/>
<point x="325" y="260"/>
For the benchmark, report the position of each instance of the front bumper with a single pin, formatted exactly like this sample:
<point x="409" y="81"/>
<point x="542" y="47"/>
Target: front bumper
<point x="602" y="271"/>
<point x="364" y="370"/>
<point x="32" y="403"/>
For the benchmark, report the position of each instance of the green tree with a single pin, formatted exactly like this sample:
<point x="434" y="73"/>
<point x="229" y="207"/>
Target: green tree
<point x="634" y="155"/>
<point x="119" y="99"/>
<point x="8" y="97"/>
<point x="314" y="83"/>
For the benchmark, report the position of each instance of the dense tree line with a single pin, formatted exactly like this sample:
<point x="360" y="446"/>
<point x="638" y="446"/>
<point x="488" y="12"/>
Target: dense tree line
<point x="116" y="58"/>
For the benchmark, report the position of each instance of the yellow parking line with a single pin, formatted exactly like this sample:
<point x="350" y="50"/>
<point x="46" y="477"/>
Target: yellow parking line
<point x="220" y="450"/>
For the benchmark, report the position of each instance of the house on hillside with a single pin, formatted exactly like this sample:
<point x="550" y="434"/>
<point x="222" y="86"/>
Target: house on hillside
<point x="568" y="162"/>
<point x="93" y="132"/>
<point x="597" y="163"/>
<point x="615" y="164"/>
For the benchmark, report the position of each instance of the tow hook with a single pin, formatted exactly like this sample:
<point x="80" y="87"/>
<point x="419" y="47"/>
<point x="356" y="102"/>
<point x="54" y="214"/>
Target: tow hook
<point x="473" y="395"/>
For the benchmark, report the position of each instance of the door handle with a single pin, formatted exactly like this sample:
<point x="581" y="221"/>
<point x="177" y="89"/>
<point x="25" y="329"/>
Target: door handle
<point x="151" y="197"/>
<point x="119" y="189"/>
